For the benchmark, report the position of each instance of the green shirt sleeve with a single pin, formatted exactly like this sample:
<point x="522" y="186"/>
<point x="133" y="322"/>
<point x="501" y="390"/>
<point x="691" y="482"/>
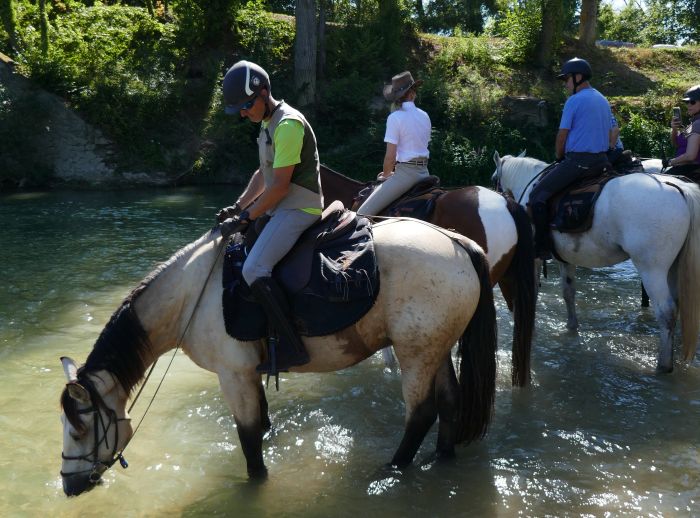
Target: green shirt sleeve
<point x="289" y="137"/>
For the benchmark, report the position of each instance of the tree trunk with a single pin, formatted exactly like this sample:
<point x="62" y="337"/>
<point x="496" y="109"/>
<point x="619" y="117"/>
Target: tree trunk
<point x="305" y="53"/>
<point x="321" y="65"/>
<point x="420" y="13"/>
<point x="589" y="21"/>
<point x="552" y="12"/>
<point x="7" y="12"/>
<point x="44" y="27"/>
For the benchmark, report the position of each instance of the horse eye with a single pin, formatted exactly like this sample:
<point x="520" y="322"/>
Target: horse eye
<point x="75" y="436"/>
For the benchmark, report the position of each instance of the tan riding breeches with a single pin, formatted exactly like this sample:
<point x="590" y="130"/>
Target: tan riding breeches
<point x="404" y="177"/>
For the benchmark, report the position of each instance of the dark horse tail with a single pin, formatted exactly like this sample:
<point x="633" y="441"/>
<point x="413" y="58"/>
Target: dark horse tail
<point x="477" y="358"/>
<point x="519" y="279"/>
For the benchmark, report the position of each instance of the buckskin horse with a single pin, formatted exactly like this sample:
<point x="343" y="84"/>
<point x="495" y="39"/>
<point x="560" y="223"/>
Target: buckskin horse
<point x="435" y="291"/>
<point x="501" y="227"/>
<point x="652" y="220"/>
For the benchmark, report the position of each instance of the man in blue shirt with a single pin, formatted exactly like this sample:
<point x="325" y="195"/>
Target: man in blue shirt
<point x="581" y="144"/>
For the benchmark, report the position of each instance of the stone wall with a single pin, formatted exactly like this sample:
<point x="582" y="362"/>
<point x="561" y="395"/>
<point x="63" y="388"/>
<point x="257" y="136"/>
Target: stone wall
<point x="73" y="150"/>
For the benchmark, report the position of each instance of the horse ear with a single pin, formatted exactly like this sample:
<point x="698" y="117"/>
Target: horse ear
<point x="70" y="368"/>
<point x="78" y="392"/>
<point x="522" y="153"/>
<point x="497" y="158"/>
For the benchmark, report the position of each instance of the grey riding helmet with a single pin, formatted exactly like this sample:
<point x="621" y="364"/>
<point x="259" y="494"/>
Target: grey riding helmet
<point x="692" y="94"/>
<point x="243" y="82"/>
<point x="576" y="66"/>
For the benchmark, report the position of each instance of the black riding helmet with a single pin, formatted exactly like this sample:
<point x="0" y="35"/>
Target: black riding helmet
<point x="243" y="82"/>
<point x="576" y="66"/>
<point x="693" y="94"/>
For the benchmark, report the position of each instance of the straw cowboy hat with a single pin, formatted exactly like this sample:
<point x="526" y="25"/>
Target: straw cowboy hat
<point x="400" y="84"/>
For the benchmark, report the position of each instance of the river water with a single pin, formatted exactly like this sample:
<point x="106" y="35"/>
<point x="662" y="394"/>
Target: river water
<point x="598" y="433"/>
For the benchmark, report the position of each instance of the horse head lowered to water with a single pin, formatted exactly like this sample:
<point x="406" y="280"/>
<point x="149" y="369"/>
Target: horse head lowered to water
<point x="652" y="220"/>
<point x="435" y="291"/>
<point x="501" y="227"/>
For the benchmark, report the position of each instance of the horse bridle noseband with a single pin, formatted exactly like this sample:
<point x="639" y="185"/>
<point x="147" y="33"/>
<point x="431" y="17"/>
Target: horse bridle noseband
<point x="98" y="467"/>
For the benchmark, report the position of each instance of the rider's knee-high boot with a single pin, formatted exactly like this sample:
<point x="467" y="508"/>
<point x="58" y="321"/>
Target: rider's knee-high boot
<point x="291" y="351"/>
<point x="540" y="218"/>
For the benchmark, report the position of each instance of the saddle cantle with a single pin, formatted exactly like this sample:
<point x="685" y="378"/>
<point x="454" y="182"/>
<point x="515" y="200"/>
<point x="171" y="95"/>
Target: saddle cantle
<point x="571" y="210"/>
<point x="330" y="278"/>
<point x="418" y="202"/>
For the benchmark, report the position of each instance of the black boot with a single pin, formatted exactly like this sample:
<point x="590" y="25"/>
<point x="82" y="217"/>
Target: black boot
<point x="541" y="220"/>
<point x="290" y="350"/>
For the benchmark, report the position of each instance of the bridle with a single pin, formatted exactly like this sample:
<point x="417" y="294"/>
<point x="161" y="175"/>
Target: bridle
<point x="97" y="403"/>
<point x="99" y="425"/>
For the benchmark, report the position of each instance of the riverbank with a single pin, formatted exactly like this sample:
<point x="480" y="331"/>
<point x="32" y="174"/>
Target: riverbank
<point x="158" y="120"/>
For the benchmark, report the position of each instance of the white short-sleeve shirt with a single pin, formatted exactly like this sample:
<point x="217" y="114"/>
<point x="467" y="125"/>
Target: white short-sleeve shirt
<point x="408" y="128"/>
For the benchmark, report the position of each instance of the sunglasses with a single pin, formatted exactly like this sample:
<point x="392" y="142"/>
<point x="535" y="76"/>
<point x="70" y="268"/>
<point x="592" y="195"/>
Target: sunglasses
<point x="691" y="103"/>
<point x="248" y="104"/>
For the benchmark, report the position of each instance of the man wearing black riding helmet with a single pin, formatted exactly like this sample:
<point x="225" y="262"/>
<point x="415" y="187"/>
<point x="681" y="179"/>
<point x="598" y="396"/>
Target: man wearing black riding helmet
<point x="687" y="139"/>
<point x="287" y="187"/>
<point x="581" y="144"/>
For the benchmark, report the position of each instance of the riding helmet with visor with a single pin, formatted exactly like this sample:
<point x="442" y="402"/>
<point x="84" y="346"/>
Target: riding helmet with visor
<point x="692" y="94"/>
<point x="243" y="83"/>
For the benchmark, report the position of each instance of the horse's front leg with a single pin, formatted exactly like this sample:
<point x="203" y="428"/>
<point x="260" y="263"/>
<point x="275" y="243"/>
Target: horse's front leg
<point x="567" y="275"/>
<point x="243" y="394"/>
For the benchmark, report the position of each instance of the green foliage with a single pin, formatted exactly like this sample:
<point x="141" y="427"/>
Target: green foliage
<point x="9" y="24"/>
<point x="521" y="26"/>
<point x="466" y="15"/>
<point x="115" y="64"/>
<point x="646" y="137"/>
<point x="265" y="39"/>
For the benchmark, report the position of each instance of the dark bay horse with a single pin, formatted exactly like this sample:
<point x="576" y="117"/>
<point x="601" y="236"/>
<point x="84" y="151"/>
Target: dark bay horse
<point x="501" y="227"/>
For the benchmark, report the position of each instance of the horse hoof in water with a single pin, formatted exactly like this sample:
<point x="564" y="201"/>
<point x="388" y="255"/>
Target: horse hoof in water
<point x="664" y="369"/>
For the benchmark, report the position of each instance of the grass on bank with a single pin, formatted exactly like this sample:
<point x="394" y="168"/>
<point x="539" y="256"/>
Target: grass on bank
<point x="156" y="95"/>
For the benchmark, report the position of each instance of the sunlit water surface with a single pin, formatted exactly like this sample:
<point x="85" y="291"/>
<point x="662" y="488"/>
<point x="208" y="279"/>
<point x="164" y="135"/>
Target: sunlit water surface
<point x="598" y="432"/>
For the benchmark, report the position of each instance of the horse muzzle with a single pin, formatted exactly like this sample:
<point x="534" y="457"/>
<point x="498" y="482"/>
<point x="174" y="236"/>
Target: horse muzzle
<point x="74" y="485"/>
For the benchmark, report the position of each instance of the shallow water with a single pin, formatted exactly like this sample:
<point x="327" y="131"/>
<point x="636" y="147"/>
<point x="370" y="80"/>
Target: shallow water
<point x="598" y="432"/>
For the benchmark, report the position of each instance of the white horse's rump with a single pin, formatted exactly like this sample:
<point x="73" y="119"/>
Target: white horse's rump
<point x="435" y="290"/>
<point x="652" y="219"/>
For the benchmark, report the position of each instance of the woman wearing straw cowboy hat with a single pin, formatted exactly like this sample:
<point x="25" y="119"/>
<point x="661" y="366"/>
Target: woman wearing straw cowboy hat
<point x="407" y="136"/>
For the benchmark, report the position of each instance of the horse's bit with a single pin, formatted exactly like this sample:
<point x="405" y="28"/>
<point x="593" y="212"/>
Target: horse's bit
<point x="98" y="467"/>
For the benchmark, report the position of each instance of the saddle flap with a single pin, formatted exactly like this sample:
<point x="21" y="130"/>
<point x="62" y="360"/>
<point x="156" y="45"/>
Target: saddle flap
<point x="571" y="210"/>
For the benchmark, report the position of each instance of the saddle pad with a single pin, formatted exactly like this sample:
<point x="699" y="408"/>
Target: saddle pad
<point x="571" y="210"/>
<point x="342" y="287"/>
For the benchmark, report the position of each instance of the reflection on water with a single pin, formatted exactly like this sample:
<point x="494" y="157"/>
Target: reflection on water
<point x="598" y="432"/>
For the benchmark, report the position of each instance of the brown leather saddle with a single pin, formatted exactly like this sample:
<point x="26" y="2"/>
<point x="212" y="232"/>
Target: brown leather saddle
<point x="418" y="202"/>
<point x="571" y="210"/>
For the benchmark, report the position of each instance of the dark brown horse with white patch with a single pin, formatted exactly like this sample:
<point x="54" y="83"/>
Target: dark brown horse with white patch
<point x="501" y="227"/>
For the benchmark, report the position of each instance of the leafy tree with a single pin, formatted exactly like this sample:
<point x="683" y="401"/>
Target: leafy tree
<point x="466" y="15"/>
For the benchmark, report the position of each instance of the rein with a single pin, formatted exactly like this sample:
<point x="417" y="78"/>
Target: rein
<point x="99" y="467"/>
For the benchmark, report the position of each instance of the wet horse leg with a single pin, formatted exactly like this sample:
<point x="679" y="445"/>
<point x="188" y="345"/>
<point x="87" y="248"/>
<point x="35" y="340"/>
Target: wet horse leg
<point x="448" y="394"/>
<point x="666" y="310"/>
<point x="421" y="413"/>
<point x="242" y="394"/>
<point x="567" y="273"/>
